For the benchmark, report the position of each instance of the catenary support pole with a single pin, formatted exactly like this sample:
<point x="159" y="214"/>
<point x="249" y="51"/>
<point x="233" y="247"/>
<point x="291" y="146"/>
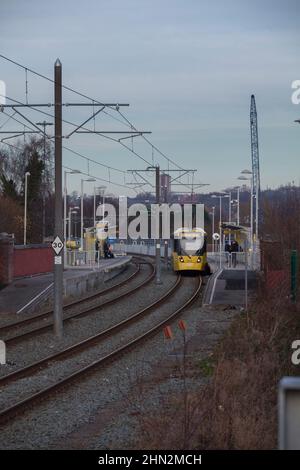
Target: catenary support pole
<point x="58" y="263"/>
<point x="220" y="234"/>
<point x="157" y="242"/>
<point x="293" y="275"/>
<point x="246" y="274"/>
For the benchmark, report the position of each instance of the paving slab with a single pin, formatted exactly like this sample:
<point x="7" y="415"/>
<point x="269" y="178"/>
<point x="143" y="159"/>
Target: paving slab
<point x="227" y="286"/>
<point x="14" y="297"/>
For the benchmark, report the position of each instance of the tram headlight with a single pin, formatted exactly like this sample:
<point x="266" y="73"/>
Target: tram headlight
<point x="181" y="259"/>
<point x="199" y="260"/>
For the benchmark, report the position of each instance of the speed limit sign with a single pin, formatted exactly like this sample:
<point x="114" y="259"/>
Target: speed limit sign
<point x="57" y="245"/>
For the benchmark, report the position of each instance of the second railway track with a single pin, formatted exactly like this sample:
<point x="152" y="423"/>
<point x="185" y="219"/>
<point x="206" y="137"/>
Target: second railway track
<point x="46" y="392"/>
<point x="18" y="334"/>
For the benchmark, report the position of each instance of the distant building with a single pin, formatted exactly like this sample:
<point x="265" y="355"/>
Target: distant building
<point x="165" y="187"/>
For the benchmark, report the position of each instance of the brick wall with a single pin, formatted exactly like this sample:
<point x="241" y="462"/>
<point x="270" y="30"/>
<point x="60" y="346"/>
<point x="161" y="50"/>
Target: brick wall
<point x="6" y="260"/>
<point x="32" y="259"/>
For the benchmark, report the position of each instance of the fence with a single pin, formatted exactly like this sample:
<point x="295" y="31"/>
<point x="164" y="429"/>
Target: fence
<point x="92" y="259"/>
<point x="142" y="247"/>
<point x="228" y="260"/>
<point x="32" y="259"/>
<point x="280" y="268"/>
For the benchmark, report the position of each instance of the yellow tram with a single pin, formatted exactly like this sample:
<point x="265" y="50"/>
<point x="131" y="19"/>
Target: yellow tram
<point x="190" y="252"/>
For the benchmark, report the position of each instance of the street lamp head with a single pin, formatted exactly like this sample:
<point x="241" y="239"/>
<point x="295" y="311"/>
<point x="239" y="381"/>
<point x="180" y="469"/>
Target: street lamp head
<point x="243" y="178"/>
<point x="297" y="120"/>
<point x="153" y="167"/>
<point x="74" y="172"/>
<point x="220" y="195"/>
<point x="246" y="172"/>
<point x="27" y="173"/>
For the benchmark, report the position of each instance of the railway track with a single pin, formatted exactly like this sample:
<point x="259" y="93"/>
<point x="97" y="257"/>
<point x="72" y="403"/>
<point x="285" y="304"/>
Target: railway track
<point x="29" y="401"/>
<point x="21" y="335"/>
<point x="44" y="315"/>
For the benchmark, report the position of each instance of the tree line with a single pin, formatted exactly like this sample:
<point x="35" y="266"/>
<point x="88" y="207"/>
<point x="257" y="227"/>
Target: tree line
<point x="36" y="157"/>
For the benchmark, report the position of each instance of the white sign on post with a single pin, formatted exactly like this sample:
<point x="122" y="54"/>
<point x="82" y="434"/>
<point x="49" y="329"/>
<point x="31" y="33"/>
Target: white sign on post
<point x="57" y="245"/>
<point x="2" y="352"/>
<point x="289" y="413"/>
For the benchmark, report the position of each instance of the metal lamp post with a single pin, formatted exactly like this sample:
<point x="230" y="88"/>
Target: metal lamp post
<point x="95" y="206"/>
<point x="244" y="178"/>
<point x="237" y="202"/>
<point x="71" y="211"/>
<point x="101" y="190"/>
<point x="220" y="196"/>
<point x="238" y="205"/>
<point x="44" y="124"/>
<point x="157" y="241"/>
<point x="81" y="211"/>
<point x="27" y="174"/>
<point x="72" y="172"/>
<point x="213" y="229"/>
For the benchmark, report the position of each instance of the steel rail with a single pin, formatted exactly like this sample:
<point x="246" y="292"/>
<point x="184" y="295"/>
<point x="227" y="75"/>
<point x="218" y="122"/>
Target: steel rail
<point x="44" y="315"/>
<point x="44" y="328"/>
<point x="22" y="405"/>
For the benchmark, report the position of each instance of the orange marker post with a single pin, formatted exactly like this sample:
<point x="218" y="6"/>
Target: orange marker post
<point x="168" y="332"/>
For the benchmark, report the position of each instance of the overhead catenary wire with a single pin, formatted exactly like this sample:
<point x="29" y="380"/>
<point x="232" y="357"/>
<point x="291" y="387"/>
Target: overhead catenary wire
<point x="77" y="153"/>
<point x="65" y="147"/>
<point x="90" y="99"/>
<point x="81" y="172"/>
<point x="88" y="159"/>
<point x="76" y="125"/>
<point x="124" y="120"/>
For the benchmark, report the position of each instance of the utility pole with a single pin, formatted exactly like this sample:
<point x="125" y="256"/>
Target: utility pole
<point x="27" y="174"/>
<point x="238" y="205"/>
<point x="220" y="196"/>
<point x="166" y="244"/>
<point x="58" y="264"/>
<point x="81" y="210"/>
<point x="255" y="162"/>
<point x="44" y="124"/>
<point x="157" y="242"/>
<point x="213" y="229"/>
<point x="246" y="273"/>
<point x="220" y="234"/>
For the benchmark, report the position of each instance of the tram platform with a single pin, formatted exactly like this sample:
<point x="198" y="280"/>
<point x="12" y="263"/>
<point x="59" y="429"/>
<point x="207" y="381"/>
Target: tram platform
<point x="26" y="294"/>
<point x="227" y="287"/>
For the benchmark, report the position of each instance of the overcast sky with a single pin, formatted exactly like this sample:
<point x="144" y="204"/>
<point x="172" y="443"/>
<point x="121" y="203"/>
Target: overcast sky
<point x="187" y="68"/>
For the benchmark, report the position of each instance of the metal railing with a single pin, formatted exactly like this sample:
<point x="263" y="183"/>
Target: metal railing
<point x="237" y="260"/>
<point x="89" y="259"/>
<point x="92" y="258"/>
<point x="228" y="260"/>
<point x="142" y="247"/>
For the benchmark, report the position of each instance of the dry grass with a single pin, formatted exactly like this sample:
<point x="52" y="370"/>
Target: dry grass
<point x="238" y="407"/>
